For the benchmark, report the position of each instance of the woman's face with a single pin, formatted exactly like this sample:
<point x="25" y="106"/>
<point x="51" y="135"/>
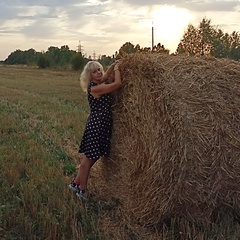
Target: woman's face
<point x="97" y="75"/>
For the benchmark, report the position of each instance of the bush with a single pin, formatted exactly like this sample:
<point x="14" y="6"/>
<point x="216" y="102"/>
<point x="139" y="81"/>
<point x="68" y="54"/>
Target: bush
<point x="77" y="62"/>
<point x="43" y="62"/>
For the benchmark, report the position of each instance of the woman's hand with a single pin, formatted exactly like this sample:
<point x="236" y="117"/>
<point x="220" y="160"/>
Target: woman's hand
<point x="116" y="65"/>
<point x="103" y="88"/>
<point x="113" y="67"/>
<point x="117" y="61"/>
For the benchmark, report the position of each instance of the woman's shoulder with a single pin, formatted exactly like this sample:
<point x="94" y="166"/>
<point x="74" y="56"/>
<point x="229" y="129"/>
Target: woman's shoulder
<point x="91" y="84"/>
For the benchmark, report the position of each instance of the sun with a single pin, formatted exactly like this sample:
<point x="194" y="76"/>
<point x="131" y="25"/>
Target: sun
<point x="169" y="24"/>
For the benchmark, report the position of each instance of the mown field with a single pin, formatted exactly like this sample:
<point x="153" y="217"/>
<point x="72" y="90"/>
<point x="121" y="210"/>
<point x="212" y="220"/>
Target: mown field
<point x="43" y="114"/>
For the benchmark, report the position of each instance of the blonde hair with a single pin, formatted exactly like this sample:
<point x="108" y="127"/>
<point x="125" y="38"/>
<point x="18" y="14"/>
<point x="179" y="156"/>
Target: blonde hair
<point x="85" y="76"/>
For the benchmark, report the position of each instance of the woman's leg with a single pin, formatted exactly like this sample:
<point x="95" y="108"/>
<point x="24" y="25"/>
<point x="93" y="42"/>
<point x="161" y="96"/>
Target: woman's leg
<point x="83" y="172"/>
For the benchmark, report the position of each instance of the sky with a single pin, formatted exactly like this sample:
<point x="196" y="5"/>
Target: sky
<point x="101" y="27"/>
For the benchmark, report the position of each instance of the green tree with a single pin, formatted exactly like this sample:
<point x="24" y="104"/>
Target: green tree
<point x="208" y="40"/>
<point x="198" y="41"/>
<point x="77" y="61"/>
<point x="234" y="46"/>
<point x="43" y="61"/>
<point x="221" y="45"/>
<point x="53" y="56"/>
<point x="16" y="57"/>
<point x="31" y="56"/>
<point x="188" y="43"/>
<point x="159" y="48"/>
<point x="28" y="57"/>
<point x="207" y="35"/>
<point x="60" y="57"/>
<point x="106" y="61"/>
<point x="128" y="48"/>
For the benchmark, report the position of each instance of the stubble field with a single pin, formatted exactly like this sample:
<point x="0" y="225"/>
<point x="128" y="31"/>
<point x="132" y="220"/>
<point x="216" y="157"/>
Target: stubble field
<point x="43" y="114"/>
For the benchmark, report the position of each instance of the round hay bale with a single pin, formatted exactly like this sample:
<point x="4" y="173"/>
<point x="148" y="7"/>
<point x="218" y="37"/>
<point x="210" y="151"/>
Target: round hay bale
<point x="176" y="145"/>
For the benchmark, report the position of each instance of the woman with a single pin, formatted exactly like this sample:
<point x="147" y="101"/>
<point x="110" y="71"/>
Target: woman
<point x="96" y="138"/>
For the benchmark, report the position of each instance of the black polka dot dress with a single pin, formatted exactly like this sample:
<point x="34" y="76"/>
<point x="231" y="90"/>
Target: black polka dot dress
<point x="96" y="138"/>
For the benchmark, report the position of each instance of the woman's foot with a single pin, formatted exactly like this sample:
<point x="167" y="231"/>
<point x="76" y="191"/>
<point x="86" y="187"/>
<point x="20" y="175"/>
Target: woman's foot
<point x="80" y="193"/>
<point x="73" y="186"/>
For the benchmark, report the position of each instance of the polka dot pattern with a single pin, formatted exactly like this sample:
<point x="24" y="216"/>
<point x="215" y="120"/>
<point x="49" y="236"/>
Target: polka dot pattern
<point x="96" y="138"/>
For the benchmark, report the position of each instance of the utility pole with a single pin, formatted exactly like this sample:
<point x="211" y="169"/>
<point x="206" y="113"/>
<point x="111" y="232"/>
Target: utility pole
<point x="94" y="55"/>
<point x="152" y="36"/>
<point x="80" y="48"/>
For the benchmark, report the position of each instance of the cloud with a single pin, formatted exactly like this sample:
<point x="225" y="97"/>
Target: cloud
<point x="48" y="3"/>
<point x="194" y="5"/>
<point x="105" y="25"/>
<point x="202" y="6"/>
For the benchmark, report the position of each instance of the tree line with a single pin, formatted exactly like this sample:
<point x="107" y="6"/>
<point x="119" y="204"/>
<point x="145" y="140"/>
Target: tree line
<point x="209" y="40"/>
<point x="205" y="39"/>
<point x="54" y="57"/>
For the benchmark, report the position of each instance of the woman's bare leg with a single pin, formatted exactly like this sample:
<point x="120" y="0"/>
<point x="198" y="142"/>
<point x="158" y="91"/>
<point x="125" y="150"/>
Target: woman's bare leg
<point x="83" y="172"/>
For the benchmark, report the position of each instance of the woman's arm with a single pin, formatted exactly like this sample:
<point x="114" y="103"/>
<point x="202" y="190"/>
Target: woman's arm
<point x="103" y="88"/>
<point x="109" y="70"/>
